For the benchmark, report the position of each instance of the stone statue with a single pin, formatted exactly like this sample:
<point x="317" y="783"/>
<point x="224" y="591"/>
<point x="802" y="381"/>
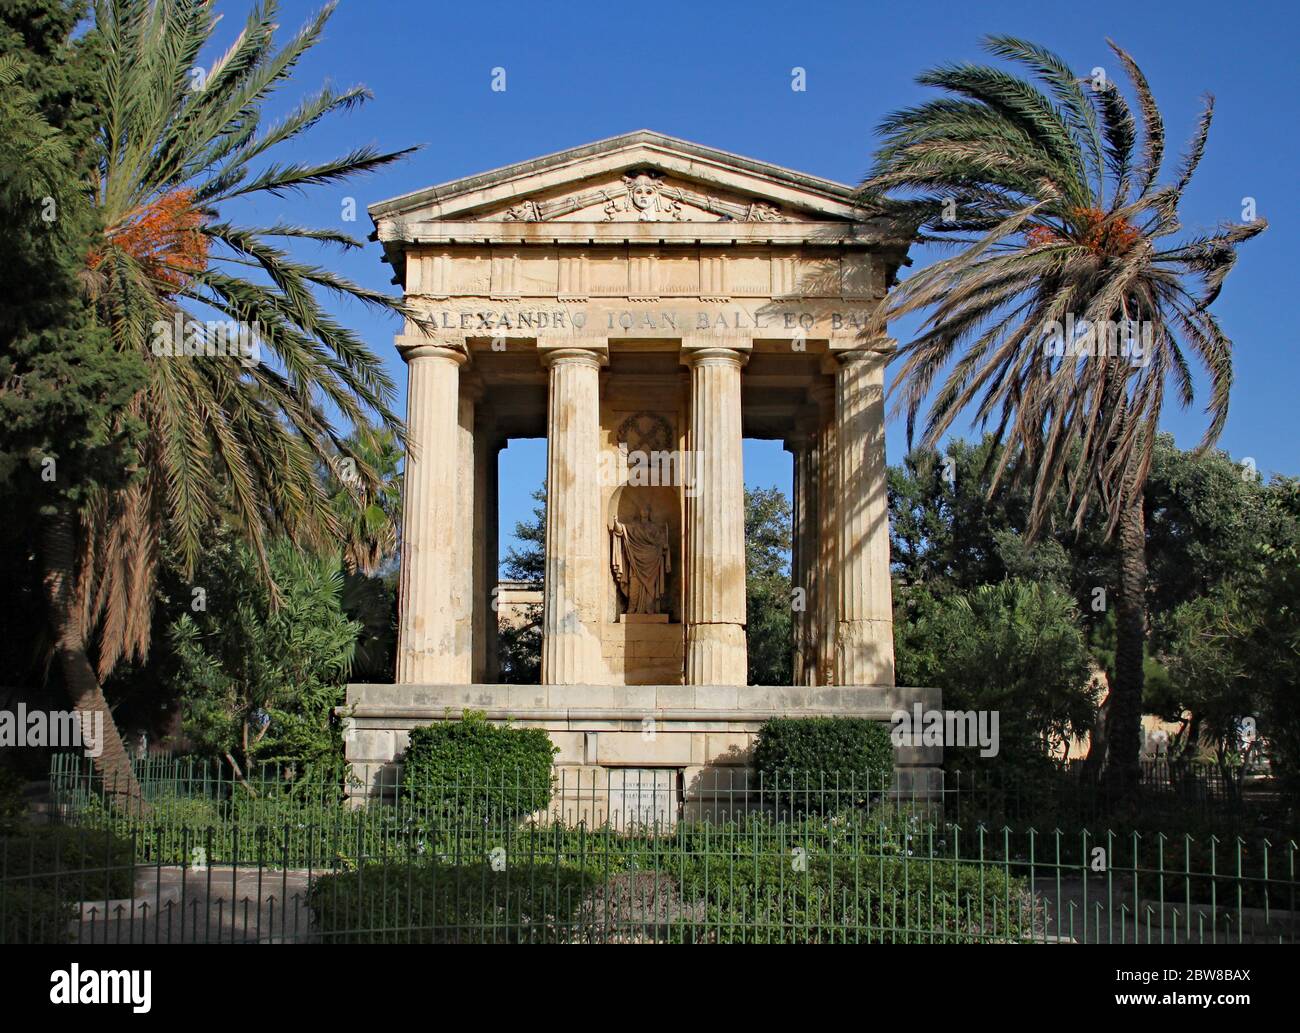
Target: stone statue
<point x="639" y="556"/>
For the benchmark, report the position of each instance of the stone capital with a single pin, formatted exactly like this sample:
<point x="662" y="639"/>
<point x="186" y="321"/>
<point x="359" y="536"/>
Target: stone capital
<point x="715" y="353"/>
<point x="855" y="348"/>
<point x="415" y="346"/>
<point x="705" y="344"/>
<point x="555" y="348"/>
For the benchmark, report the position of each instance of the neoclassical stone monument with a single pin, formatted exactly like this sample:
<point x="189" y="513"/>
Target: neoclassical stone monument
<point x="643" y="303"/>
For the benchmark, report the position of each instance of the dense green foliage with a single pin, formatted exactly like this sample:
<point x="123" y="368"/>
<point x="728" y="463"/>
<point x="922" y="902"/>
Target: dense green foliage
<point x="45" y="871"/>
<point x="13" y="808"/>
<point x="1014" y="648"/>
<point x="768" y="600"/>
<point x="852" y="756"/>
<point x="436" y="902"/>
<point x="473" y="767"/>
<point x="122" y="162"/>
<point x="260" y="677"/>
<point x="1234" y="653"/>
<point x="1212" y="525"/>
<point x="833" y="879"/>
<point x="519" y="642"/>
<point x="61" y="383"/>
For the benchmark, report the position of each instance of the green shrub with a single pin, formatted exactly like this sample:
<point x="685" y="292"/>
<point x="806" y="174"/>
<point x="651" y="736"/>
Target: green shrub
<point x="840" y="878"/>
<point x="850" y="758"/>
<point x="45" y="871"/>
<point x="862" y="899"/>
<point x="32" y="913"/>
<point x="452" y="903"/>
<point x="846" y="878"/>
<point x="13" y="808"/>
<point x="470" y="767"/>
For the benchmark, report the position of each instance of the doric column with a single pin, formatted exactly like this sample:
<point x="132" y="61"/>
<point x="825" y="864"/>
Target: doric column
<point x="802" y="445"/>
<point x="798" y="513"/>
<point x="571" y="608"/>
<point x="864" y="643"/>
<point x="826" y="603"/>
<point x="484" y="613"/>
<point x="427" y="646"/>
<point x="492" y="558"/>
<point x="468" y="543"/>
<point x="715" y="590"/>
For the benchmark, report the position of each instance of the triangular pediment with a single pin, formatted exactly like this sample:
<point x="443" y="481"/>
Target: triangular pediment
<point x="638" y="177"/>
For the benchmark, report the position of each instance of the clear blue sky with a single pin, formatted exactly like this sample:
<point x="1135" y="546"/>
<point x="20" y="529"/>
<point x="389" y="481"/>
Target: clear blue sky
<point x="719" y="74"/>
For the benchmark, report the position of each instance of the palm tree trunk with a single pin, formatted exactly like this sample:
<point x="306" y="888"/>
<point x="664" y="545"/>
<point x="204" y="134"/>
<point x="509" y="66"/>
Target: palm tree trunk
<point x="1124" y="727"/>
<point x="112" y="764"/>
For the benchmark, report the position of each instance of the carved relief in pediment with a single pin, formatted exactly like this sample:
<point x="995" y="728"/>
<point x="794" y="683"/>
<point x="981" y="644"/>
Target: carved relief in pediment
<point x="641" y="197"/>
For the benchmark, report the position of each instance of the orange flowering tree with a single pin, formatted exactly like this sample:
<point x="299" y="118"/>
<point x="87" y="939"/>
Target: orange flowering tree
<point x="1070" y="304"/>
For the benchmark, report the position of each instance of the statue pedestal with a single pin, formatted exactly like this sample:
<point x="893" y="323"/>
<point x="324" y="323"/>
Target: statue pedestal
<point x="643" y="618"/>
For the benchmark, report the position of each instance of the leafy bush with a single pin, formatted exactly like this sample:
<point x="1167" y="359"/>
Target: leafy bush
<point x="858" y="899"/>
<point x="45" y="871"/>
<point x="450" y="903"/>
<point x="31" y="913"/>
<point x="470" y="767"/>
<point x="1016" y="648"/>
<point x="838" y="878"/>
<point x="260" y="678"/>
<point x="12" y="805"/>
<point x="850" y="757"/>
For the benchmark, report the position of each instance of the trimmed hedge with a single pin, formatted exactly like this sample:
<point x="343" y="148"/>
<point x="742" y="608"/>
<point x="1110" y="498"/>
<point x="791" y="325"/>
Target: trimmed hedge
<point x="850" y="757"/>
<point x="476" y="769"/>
<point x="450" y="903"/>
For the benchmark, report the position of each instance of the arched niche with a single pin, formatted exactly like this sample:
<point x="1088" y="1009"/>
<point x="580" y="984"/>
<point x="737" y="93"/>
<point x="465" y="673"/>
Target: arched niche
<point x="625" y="504"/>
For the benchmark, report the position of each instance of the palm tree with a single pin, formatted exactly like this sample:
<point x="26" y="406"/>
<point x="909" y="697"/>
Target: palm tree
<point x="371" y="514"/>
<point x="227" y="439"/>
<point x="1051" y="188"/>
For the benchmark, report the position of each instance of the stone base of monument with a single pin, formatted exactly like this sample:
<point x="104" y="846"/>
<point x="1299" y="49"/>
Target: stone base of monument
<point x="635" y="754"/>
<point x="643" y="648"/>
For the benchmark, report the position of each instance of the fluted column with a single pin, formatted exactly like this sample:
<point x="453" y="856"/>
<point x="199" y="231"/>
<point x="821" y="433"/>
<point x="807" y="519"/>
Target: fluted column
<point x="571" y="607"/>
<point x="798" y="513"/>
<point x="492" y="557"/>
<point x="484" y="614"/>
<point x="427" y="646"/>
<point x="864" y="643"/>
<point x="826" y="602"/>
<point x="803" y="448"/>
<point x="468" y="541"/>
<point x="715" y="591"/>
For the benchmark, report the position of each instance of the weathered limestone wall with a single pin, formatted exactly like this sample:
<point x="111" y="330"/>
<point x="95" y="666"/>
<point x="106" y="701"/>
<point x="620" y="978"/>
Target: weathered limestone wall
<point x="703" y="733"/>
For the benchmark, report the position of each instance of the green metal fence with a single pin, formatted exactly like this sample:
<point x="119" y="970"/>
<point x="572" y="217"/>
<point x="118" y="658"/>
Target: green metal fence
<point x="203" y="859"/>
